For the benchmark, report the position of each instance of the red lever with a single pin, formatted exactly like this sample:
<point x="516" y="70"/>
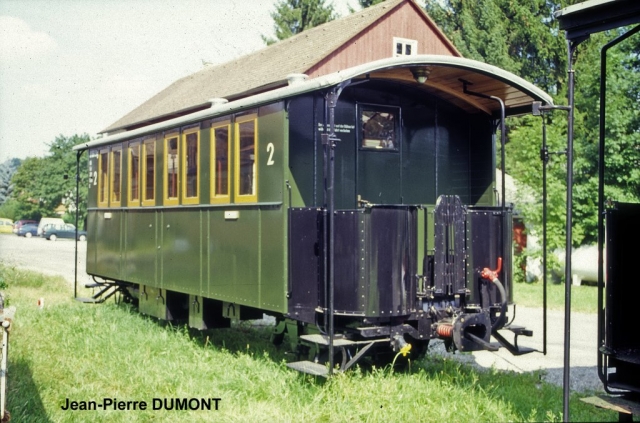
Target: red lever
<point x="492" y="274"/>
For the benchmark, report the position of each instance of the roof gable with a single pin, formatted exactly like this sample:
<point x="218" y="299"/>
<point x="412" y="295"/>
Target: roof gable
<point x="268" y="68"/>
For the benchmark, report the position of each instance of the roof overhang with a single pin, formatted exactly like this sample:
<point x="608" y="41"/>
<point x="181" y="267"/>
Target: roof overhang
<point x="589" y="17"/>
<point x="445" y="76"/>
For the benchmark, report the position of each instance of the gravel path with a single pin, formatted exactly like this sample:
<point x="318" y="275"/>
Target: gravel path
<point x="582" y="357"/>
<point x="57" y="258"/>
<point x="40" y="255"/>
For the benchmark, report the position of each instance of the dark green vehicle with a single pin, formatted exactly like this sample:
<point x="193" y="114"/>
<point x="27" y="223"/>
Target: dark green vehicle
<point x="359" y="208"/>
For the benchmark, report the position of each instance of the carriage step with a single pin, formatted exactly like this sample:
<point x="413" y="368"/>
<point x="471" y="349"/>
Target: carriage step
<point x="309" y="367"/>
<point x="88" y="300"/>
<point x="324" y="340"/>
<point x="519" y="330"/>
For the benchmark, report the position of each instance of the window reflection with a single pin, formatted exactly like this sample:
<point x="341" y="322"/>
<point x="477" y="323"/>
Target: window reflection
<point x="149" y="173"/>
<point x="247" y="158"/>
<point x="103" y="181"/>
<point x="172" y="163"/>
<point x="117" y="169"/>
<point x="379" y="130"/>
<point x="221" y="183"/>
<point x="134" y="174"/>
<point x="191" y="165"/>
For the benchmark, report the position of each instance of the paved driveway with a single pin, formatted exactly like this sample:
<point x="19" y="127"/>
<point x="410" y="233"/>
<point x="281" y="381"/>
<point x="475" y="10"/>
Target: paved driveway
<point x="583" y="352"/>
<point x="48" y="257"/>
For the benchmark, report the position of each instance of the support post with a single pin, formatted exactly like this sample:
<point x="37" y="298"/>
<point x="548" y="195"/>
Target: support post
<point x="568" y="240"/>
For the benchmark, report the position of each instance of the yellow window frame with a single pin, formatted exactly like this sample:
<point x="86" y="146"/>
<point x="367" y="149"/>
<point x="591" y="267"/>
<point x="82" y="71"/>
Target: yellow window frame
<point x="171" y="201"/>
<point x="103" y="179"/>
<point x="195" y="199"/>
<point x="253" y="197"/>
<point x="144" y="172"/>
<point x="216" y="197"/>
<point x="134" y="202"/>
<point x="115" y="191"/>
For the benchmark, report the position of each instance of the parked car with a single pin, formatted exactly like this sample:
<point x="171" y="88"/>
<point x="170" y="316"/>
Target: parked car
<point x="28" y="230"/>
<point x="6" y="225"/>
<point x="18" y="223"/>
<point x="48" y="221"/>
<point x="67" y="230"/>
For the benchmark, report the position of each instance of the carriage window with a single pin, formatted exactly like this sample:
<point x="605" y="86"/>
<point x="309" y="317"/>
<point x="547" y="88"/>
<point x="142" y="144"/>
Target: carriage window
<point x="190" y="177"/>
<point x="246" y="170"/>
<point x="148" y="173"/>
<point x="171" y="165"/>
<point x="134" y="175"/>
<point x="116" y="176"/>
<point x="103" y="178"/>
<point x="379" y="129"/>
<point x="220" y="158"/>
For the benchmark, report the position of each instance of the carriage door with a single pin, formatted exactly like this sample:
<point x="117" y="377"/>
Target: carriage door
<point x="379" y="147"/>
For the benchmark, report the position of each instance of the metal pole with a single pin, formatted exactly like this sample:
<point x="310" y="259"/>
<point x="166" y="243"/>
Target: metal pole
<point x="325" y="222"/>
<point x="75" y="270"/>
<point x="329" y="141"/>
<point x="545" y="161"/>
<point x="569" y="235"/>
<point x="331" y="226"/>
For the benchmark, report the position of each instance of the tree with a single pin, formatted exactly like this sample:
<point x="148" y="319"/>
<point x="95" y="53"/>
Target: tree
<point x="622" y="130"/>
<point x="364" y="4"/>
<point x="294" y="16"/>
<point x="29" y="192"/>
<point x="62" y="162"/>
<point x="522" y="36"/>
<point x="42" y="184"/>
<point x="7" y="169"/>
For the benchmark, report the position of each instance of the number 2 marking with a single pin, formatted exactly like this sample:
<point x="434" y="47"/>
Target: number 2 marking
<point x="270" y="149"/>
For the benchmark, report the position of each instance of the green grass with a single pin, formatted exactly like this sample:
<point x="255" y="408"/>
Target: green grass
<point x="584" y="298"/>
<point x="89" y="352"/>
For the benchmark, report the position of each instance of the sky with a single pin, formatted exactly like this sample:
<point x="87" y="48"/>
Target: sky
<point x="76" y="66"/>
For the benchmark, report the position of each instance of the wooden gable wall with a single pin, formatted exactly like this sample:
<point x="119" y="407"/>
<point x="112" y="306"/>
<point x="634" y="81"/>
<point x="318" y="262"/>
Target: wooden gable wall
<point x="376" y="42"/>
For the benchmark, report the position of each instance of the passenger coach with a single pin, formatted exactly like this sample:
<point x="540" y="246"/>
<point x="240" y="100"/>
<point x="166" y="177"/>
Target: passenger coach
<point x="359" y="208"/>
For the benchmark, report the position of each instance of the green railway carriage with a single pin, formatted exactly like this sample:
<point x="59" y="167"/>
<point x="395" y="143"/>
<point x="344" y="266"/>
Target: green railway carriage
<point x="359" y="208"/>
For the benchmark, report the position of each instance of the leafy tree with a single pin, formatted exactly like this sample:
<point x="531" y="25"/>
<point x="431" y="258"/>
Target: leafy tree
<point x="42" y="184"/>
<point x="294" y="16"/>
<point x="7" y="169"/>
<point x="522" y="36"/>
<point x="364" y="4"/>
<point x="29" y="192"/>
<point x="622" y="130"/>
<point x="62" y="163"/>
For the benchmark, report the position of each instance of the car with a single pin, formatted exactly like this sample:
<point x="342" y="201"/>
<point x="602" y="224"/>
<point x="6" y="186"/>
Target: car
<point x="54" y="231"/>
<point x="48" y="221"/>
<point x="6" y="225"/>
<point x="18" y="223"/>
<point x="28" y="230"/>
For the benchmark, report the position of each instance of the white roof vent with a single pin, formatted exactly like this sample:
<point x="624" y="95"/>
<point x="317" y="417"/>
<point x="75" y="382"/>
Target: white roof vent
<point x="218" y="101"/>
<point x="296" y="78"/>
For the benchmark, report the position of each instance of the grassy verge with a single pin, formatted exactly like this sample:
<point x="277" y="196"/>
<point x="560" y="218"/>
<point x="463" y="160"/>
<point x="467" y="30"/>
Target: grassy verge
<point x="90" y="352"/>
<point x="584" y="298"/>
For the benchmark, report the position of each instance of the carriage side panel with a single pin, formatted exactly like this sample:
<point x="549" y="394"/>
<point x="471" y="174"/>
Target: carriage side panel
<point x="302" y="158"/>
<point x="181" y="250"/>
<point x="140" y="264"/>
<point x="273" y="134"/>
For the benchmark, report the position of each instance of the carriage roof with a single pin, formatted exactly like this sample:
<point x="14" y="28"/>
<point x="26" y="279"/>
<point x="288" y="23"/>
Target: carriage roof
<point x="445" y="76"/>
